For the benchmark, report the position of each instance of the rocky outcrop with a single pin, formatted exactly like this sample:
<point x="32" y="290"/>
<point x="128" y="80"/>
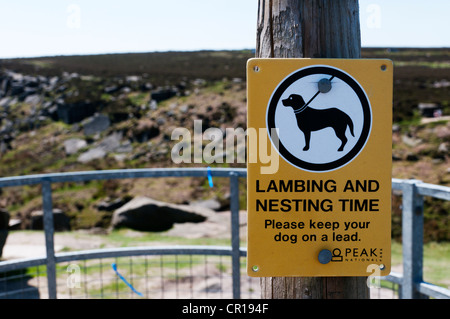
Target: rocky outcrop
<point x="75" y="112"/>
<point x="146" y="214"/>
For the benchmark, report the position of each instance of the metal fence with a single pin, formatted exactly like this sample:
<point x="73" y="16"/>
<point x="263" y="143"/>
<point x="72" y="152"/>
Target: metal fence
<point x="410" y="284"/>
<point x="46" y="180"/>
<point x="187" y="272"/>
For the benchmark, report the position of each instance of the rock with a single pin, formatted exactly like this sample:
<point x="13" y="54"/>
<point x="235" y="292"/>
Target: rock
<point x="146" y="214"/>
<point x="443" y="148"/>
<point x="146" y="86"/>
<point x="4" y="87"/>
<point x="411" y="141"/>
<point x="124" y="147"/>
<point x="4" y="102"/>
<point x="132" y="78"/>
<point x="27" y="91"/>
<point x="33" y="99"/>
<point x="212" y="204"/>
<point x="442" y="132"/>
<point x="396" y="158"/>
<point x="411" y="157"/>
<point x="429" y="109"/>
<point x="396" y="128"/>
<point x="15" y="224"/>
<point x="61" y="221"/>
<point x="73" y="145"/>
<point x="4" y="219"/>
<point x="163" y="94"/>
<point x="441" y="84"/>
<point x="75" y="112"/>
<point x="96" y="124"/>
<point x="111" y="142"/>
<point x="184" y="108"/>
<point x="49" y="110"/>
<point x="111" y="89"/>
<point x="120" y="157"/>
<point x="16" y="88"/>
<point x="110" y="205"/>
<point x="4" y="224"/>
<point x="125" y="90"/>
<point x="153" y="105"/>
<point x="94" y="153"/>
<point x="145" y="130"/>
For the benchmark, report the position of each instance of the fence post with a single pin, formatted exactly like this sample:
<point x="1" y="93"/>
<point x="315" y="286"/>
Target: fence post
<point x="310" y="29"/>
<point x="235" y="237"/>
<point x="49" y="244"/>
<point x="412" y="240"/>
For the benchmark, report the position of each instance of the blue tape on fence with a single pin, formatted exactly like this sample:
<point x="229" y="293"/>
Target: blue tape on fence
<point x="210" y="177"/>
<point x="114" y="266"/>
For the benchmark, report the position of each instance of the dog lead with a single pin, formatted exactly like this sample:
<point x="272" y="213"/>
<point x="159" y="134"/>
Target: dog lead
<point x="324" y="87"/>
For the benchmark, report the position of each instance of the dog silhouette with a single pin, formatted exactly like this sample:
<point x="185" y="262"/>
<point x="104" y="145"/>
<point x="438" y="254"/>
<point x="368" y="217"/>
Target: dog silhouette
<point x="310" y="120"/>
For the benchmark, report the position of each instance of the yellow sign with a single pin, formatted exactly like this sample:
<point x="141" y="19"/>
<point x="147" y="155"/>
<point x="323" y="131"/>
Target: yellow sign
<point x="319" y="167"/>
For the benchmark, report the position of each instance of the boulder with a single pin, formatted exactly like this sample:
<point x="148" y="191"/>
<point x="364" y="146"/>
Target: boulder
<point x="61" y="221"/>
<point x="73" y="145"/>
<point x="443" y="148"/>
<point x="110" y="204"/>
<point x="162" y="94"/>
<point x="111" y="142"/>
<point x="124" y="147"/>
<point x="111" y="89"/>
<point x="411" y="157"/>
<point x="96" y="124"/>
<point x="75" y="112"/>
<point x="410" y="140"/>
<point x="4" y="222"/>
<point x="33" y="99"/>
<point x="4" y="102"/>
<point x="146" y="214"/>
<point x="92" y="154"/>
<point x="145" y="130"/>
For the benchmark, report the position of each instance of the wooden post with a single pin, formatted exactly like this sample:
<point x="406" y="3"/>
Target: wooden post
<point x="310" y="29"/>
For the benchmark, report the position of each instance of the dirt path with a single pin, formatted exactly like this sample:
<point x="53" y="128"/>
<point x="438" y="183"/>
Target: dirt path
<point x="28" y="244"/>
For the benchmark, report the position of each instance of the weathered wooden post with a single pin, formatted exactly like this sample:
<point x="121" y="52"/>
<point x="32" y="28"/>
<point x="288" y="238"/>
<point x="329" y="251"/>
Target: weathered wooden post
<point x="314" y="29"/>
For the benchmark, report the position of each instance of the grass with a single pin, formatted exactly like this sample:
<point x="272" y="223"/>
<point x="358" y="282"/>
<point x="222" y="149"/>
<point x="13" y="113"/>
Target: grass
<point x="126" y="238"/>
<point x="436" y="262"/>
<point x="432" y="64"/>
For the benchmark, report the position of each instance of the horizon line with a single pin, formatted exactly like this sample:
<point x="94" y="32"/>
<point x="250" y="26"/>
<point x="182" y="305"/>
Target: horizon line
<point x="204" y="50"/>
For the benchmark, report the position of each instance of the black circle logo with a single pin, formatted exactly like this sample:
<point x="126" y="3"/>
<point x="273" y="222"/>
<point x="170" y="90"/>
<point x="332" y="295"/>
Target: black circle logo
<point x="319" y="118"/>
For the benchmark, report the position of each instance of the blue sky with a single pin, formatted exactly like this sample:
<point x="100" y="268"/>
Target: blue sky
<point x="31" y="28"/>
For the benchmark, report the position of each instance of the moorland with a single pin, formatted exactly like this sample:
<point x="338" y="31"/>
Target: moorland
<point x="74" y="113"/>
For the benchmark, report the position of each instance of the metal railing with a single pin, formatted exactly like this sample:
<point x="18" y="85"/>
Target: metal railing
<point x="52" y="259"/>
<point x="411" y="282"/>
